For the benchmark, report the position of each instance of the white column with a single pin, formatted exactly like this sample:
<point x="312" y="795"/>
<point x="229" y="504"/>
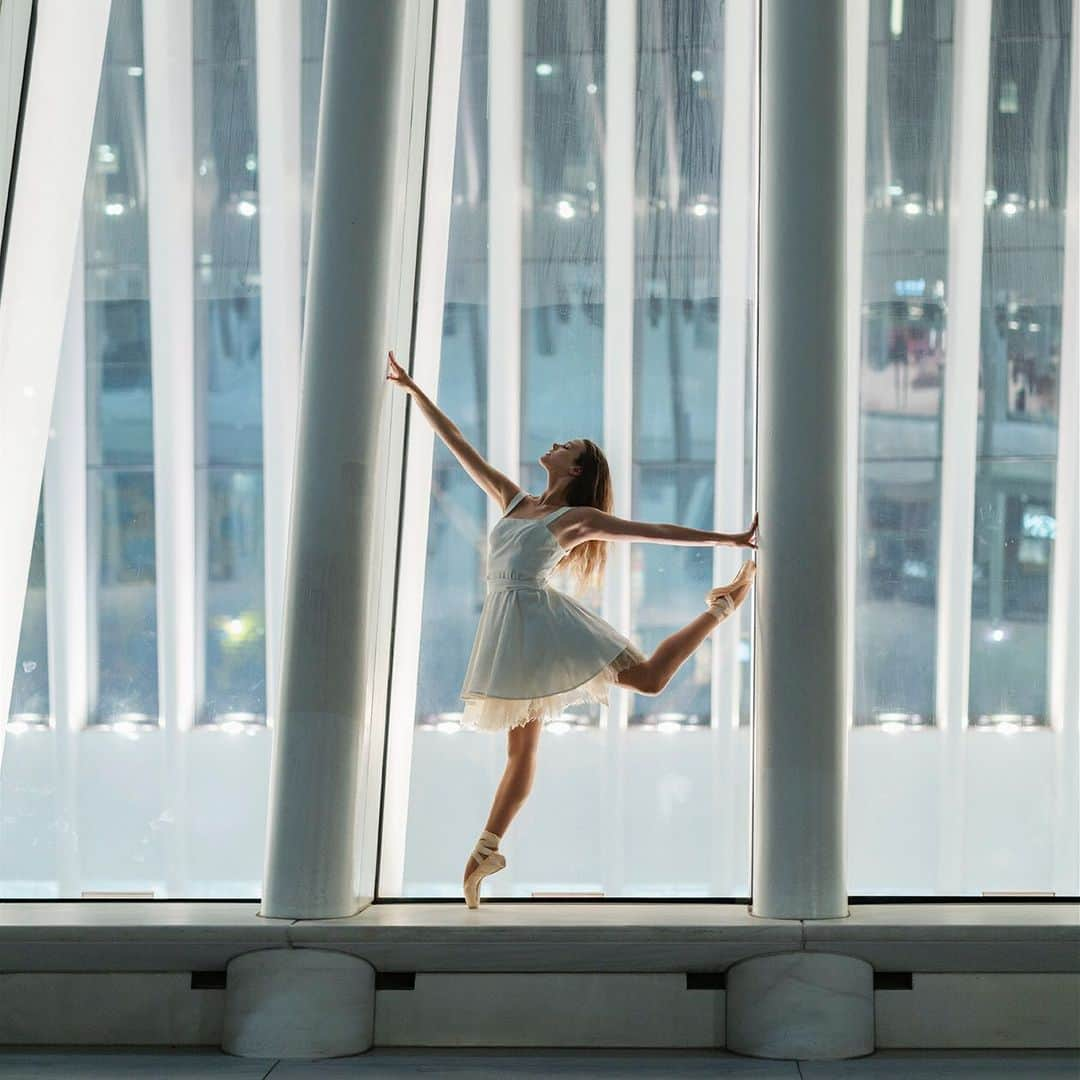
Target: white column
<point x="967" y="182"/>
<point x="66" y="572"/>
<point x="167" y="49"/>
<point x="278" y="54"/>
<point x="620" y="161"/>
<point x="736" y="281"/>
<point x="323" y="714"/>
<point x="446" y="75"/>
<point x="69" y="43"/>
<point x="1065" y="579"/>
<point x="800" y="737"/>
<point x="505" y="119"/>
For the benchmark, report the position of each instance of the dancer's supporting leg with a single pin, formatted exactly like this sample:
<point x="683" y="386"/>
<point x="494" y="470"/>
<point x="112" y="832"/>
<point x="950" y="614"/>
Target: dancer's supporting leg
<point x="653" y="674"/>
<point x="516" y="783"/>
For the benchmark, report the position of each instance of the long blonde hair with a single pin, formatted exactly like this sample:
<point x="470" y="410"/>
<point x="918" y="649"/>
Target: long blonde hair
<point x="592" y="488"/>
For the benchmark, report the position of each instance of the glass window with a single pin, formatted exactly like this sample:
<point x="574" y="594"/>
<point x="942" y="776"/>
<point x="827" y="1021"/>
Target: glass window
<point x="905" y="238"/>
<point x="119" y="408"/>
<point x="1020" y="363"/>
<point x="30" y="690"/>
<point x="613" y="778"/>
<point x="228" y="363"/>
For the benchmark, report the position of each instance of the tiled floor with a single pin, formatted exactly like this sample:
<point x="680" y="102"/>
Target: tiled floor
<point x="210" y="1064"/>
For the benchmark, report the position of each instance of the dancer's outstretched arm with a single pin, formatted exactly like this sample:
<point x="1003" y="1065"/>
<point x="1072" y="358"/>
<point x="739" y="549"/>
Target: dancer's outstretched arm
<point x="498" y="485"/>
<point x="587" y="523"/>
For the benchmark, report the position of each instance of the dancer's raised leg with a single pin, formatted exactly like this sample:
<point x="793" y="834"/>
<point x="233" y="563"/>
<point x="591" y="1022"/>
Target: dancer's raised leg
<point x="516" y="782"/>
<point x="653" y="674"/>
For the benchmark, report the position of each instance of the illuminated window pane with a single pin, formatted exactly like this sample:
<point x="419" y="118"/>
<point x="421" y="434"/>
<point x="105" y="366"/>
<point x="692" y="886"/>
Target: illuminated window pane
<point x="30" y="690"/>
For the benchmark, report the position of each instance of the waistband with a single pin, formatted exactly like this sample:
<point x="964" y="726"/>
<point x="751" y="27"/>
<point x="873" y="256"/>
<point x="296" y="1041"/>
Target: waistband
<point x="496" y="582"/>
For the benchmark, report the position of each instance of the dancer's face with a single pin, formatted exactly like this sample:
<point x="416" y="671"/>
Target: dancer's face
<point x="561" y="459"/>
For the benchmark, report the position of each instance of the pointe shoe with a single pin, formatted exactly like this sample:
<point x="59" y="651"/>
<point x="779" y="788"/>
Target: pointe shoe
<point x="489" y="859"/>
<point x="719" y="601"/>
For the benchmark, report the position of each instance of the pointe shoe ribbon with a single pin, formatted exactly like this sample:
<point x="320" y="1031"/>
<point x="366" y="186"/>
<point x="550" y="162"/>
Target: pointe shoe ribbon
<point x="489" y="859"/>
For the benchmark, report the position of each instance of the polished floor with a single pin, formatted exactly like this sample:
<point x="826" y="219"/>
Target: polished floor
<point x="41" y="1063"/>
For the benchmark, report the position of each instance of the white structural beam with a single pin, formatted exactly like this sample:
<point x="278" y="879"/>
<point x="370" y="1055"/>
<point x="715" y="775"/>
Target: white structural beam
<point x="446" y="75"/>
<point x="338" y="524"/>
<point x="800" y="737"/>
<point x="69" y="43"/>
<point x="620" y="162"/>
<point x="167" y="56"/>
<point x="856" y="76"/>
<point x="506" y="45"/>
<point x="960" y="409"/>
<point x="66" y="573"/>
<point x="736" y="281"/>
<point x="1065" y="580"/>
<point x="15" y="21"/>
<point x="278" y="61"/>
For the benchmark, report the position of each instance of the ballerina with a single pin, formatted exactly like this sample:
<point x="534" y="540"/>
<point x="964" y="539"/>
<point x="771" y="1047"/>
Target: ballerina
<point x="536" y="649"/>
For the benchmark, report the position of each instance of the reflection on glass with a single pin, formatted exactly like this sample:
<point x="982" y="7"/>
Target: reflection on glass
<point x="119" y="413"/>
<point x="30" y="690"/>
<point x="901" y="378"/>
<point x="1020" y="362"/>
<point x="228" y="359"/>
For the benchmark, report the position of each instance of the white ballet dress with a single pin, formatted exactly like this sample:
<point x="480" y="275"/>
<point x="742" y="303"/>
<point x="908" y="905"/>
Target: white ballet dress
<point x="536" y="650"/>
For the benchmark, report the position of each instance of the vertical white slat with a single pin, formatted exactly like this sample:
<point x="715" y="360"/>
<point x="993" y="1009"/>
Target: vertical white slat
<point x="1065" y="579"/>
<point x="857" y="61"/>
<point x="66" y="572"/>
<point x="446" y="73"/>
<point x="168" y="63"/>
<point x="736" y="273"/>
<point x="58" y="120"/>
<point x="15" y="18"/>
<point x="278" y="62"/>
<point x="506" y="43"/>
<point x="967" y="179"/>
<point x="620" y="159"/>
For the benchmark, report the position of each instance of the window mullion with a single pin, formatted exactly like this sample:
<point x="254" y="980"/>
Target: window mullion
<point x="278" y="91"/>
<point x="167" y="44"/>
<point x="960" y="407"/>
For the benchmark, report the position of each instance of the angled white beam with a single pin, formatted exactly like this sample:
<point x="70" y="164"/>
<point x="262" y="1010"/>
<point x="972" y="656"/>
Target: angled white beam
<point x="506" y="43"/>
<point x="1065" y="579"/>
<point x="168" y="59"/>
<point x="446" y="74"/>
<point x="69" y="43"/>
<point x="736" y="281"/>
<point x="15" y="20"/>
<point x="620" y="161"/>
<point x="960" y="409"/>
<point x="66" y="572"/>
<point x="277" y="50"/>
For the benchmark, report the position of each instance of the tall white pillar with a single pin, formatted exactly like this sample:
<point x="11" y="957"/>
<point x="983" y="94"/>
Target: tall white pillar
<point x="800" y="727"/>
<point x="321" y="716"/>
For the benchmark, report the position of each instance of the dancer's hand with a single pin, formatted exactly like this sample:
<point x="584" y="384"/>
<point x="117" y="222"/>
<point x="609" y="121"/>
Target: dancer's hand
<point x="749" y="538"/>
<point x="395" y="373"/>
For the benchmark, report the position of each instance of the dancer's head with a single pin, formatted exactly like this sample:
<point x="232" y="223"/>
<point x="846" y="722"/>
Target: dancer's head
<point x="590" y="485"/>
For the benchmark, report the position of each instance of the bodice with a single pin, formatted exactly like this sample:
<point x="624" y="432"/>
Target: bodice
<point x="522" y="552"/>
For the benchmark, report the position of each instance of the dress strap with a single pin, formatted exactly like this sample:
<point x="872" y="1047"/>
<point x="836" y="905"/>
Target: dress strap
<point x="556" y="513"/>
<point x="513" y="502"/>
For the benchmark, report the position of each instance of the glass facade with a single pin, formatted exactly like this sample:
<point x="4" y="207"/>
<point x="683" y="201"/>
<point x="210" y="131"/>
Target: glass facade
<point x="135" y="798"/>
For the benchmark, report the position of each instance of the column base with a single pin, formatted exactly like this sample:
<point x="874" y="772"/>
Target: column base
<point x="298" y="1003"/>
<point x="811" y="1006"/>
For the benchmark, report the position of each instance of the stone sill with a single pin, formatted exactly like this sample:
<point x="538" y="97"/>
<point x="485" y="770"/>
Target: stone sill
<point x="536" y="936"/>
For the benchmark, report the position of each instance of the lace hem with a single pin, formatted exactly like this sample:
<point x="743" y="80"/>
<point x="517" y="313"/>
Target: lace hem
<point x="484" y="713"/>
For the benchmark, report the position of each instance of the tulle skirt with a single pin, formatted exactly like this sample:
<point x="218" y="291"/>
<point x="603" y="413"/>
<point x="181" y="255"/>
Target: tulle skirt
<point x="536" y="652"/>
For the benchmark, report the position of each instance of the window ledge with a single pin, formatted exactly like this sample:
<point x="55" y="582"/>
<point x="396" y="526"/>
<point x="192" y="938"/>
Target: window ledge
<point x="538" y="936"/>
